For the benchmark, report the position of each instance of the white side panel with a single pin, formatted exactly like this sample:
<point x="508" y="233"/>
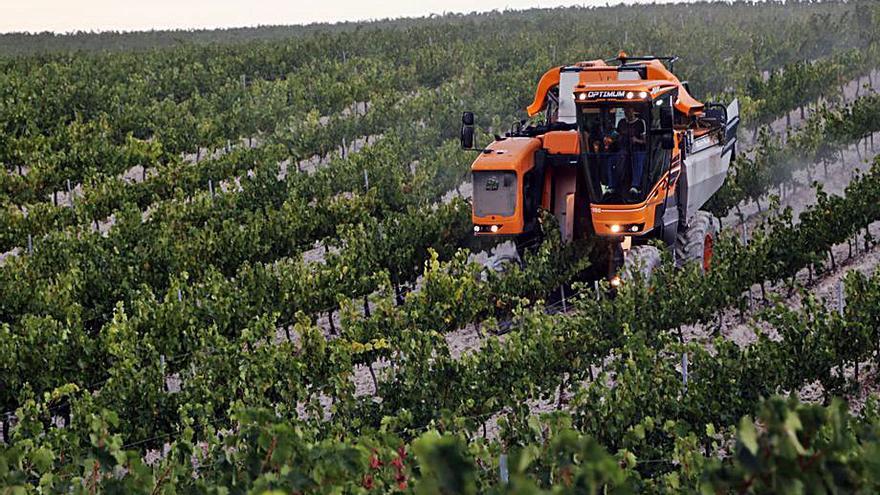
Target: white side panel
<point x="567" y="110"/>
<point x="706" y="171"/>
<point x="628" y="75"/>
<point x="709" y="161"/>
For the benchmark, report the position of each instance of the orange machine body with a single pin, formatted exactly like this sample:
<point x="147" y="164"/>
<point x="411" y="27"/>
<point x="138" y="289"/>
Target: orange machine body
<point x="522" y="155"/>
<point x="581" y="161"/>
<point x="553" y="149"/>
<point x="517" y="154"/>
<point x="511" y="154"/>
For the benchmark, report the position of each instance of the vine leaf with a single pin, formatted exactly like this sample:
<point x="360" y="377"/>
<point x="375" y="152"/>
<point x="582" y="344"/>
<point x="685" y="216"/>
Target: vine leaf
<point x="748" y="436"/>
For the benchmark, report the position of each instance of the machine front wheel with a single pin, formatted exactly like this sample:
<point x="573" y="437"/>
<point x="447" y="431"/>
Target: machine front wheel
<point x="696" y="243"/>
<point x="640" y="261"/>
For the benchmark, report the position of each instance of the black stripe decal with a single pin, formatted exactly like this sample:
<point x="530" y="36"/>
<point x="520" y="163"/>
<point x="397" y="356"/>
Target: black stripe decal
<point x="730" y="131"/>
<point x="728" y="146"/>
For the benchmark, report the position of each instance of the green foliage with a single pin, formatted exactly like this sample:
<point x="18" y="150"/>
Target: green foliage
<point x="213" y="291"/>
<point x="800" y="449"/>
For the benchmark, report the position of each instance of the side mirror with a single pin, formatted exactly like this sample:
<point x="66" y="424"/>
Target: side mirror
<point x="467" y="130"/>
<point x="666" y="107"/>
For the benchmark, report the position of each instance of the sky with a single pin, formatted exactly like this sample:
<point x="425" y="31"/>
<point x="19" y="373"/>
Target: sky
<point x="126" y="15"/>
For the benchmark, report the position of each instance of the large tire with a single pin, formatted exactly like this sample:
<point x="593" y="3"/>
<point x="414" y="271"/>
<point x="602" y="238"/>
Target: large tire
<point x="641" y="260"/>
<point x="696" y="243"/>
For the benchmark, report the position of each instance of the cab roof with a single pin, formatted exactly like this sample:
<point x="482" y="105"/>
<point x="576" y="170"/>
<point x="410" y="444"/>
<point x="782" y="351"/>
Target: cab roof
<point x="596" y="75"/>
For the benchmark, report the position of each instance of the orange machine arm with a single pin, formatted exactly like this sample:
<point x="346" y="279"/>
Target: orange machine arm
<point x="548" y="80"/>
<point x="686" y="103"/>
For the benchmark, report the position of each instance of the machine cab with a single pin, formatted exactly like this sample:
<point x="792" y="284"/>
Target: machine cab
<point x="626" y="139"/>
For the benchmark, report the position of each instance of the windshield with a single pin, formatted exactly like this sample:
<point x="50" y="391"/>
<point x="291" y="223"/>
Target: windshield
<point x="494" y="193"/>
<point x="616" y="141"/>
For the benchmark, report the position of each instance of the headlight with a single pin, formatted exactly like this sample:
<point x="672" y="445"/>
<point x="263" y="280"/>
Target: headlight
<point x="629" y="95"/>
<point x="615" y="228"/>
<point x="493" y="228"/>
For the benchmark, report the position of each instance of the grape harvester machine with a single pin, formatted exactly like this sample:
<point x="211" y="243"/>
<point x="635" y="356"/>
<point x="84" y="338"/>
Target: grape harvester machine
<point x="623" y="155"/>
